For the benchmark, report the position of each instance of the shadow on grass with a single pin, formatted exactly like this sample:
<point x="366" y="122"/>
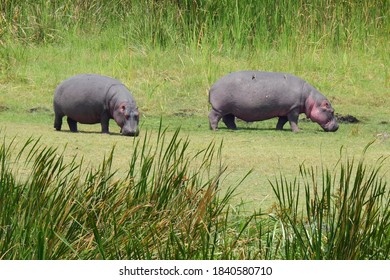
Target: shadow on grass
<point x="90" y="132"/>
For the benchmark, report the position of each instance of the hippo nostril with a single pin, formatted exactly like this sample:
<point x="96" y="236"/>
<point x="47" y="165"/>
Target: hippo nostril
<point x="332" y="128"/>
<point x="130" y="133"/>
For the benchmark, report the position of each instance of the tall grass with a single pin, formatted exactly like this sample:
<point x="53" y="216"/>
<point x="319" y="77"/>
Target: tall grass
<point x="346" y="215"/>
<point x="222" y="24"/>
<point x="168" y="206"/>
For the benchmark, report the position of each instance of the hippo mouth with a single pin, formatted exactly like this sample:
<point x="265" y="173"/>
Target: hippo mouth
<point x="331" y="126"/>
<point x="133" y="134"/>
<point x="130" y="132"/>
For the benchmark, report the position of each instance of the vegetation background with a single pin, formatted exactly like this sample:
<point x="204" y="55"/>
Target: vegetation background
<point x="169" y="53"/>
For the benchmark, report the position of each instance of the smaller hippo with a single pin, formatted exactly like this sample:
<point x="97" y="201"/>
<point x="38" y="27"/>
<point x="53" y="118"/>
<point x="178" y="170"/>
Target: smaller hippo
<point x="90" y="99"/>
<point x="256" y="96"/>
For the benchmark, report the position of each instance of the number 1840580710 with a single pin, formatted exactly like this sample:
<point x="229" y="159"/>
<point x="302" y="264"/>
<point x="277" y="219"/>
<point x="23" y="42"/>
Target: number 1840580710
<point x="243" y="270"/>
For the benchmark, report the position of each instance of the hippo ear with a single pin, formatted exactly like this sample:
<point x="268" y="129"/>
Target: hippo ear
<point x="325" y="104"/>
<point x="122" y="108"/>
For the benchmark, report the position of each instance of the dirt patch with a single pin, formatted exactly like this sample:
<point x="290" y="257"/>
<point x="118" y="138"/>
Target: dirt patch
<point x="184" y="113"/>
<point x="339" y="117"/>
<point x="3" y="108"/>
<point x="346" y="118"/>
<point x="38" y="110"/>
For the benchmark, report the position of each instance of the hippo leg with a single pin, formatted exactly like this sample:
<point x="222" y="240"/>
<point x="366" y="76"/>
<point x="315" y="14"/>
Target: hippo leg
<point x="57" y="122"/>
<point x="293" y="119"/>
<point x="229" y="121"/>
<point x="104" y="122"/>
<point x="72" y="124"/>
<point x="214" y="118"/>
<point x="281" y="122"/>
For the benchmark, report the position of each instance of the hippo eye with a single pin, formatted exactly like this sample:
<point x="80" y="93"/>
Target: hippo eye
<point x="133" y="116"/>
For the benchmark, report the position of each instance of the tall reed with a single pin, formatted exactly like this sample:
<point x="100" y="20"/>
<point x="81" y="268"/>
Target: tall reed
<point x="221" y="24"/>
<point x="346" y="215"/>
<point x="168" y="206"/>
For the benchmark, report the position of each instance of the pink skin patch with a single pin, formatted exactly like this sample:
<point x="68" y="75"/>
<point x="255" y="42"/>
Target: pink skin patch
<point x="323" y="114"/>
<point x="127" y="119"/>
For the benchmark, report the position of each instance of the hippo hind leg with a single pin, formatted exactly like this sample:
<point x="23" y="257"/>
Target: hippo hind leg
<point x="58" y="122"/>
<point x="214" y="118"/>
<point x="281" y="122"/>
<point x="229" y="121"/>
<point x="72" y="124"/>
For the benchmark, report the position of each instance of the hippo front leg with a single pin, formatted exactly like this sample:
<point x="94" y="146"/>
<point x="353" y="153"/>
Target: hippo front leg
<point x="104" y="123"/>
<point x="72" y="124"/>
<point x="229" y="121"/>
<point x="293" y="119"/>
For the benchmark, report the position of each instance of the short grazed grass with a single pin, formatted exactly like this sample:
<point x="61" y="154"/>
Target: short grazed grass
<point x="256" y="147"/>
<point x="178" y="93"/>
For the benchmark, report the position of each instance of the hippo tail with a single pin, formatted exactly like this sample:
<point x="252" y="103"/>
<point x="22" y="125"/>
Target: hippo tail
<point x="211" y="90"/>
<point x="209" y="93"/>
<point x="209" y="96"/>
<point x="213" y="103"/>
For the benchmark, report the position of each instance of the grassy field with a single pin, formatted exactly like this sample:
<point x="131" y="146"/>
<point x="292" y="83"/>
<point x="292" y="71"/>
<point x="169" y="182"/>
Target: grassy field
<point x="169" y="62"/>
<point x="354" y="82"/>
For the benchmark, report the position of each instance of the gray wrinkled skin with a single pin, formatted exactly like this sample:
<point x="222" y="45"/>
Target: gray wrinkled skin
<point x="256" y="96"/>
<point x="90" y="99"/>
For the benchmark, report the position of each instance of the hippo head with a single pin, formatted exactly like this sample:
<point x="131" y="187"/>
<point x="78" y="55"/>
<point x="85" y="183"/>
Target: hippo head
<point x="127" y="117"/>
<point x="321" y="112"/>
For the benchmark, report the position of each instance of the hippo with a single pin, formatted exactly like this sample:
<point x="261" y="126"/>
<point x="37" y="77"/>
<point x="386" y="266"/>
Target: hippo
<point x="256" y="96"/>
<point x="90" y="99"/>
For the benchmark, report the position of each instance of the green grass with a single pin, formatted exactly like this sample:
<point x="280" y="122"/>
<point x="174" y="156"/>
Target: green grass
<point x="256" y="147"/>
<point x="202" y="22"/>
<point x="169" y="53"/>
<point x="173" y="80"/>
<point x="169" y="205"/>
<point x="163" y="208"/>
<point x="339" y="213"/>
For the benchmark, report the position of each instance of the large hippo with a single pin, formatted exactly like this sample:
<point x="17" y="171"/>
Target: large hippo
<point x="90" y="99"/>
<point x="255" y="96"/>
